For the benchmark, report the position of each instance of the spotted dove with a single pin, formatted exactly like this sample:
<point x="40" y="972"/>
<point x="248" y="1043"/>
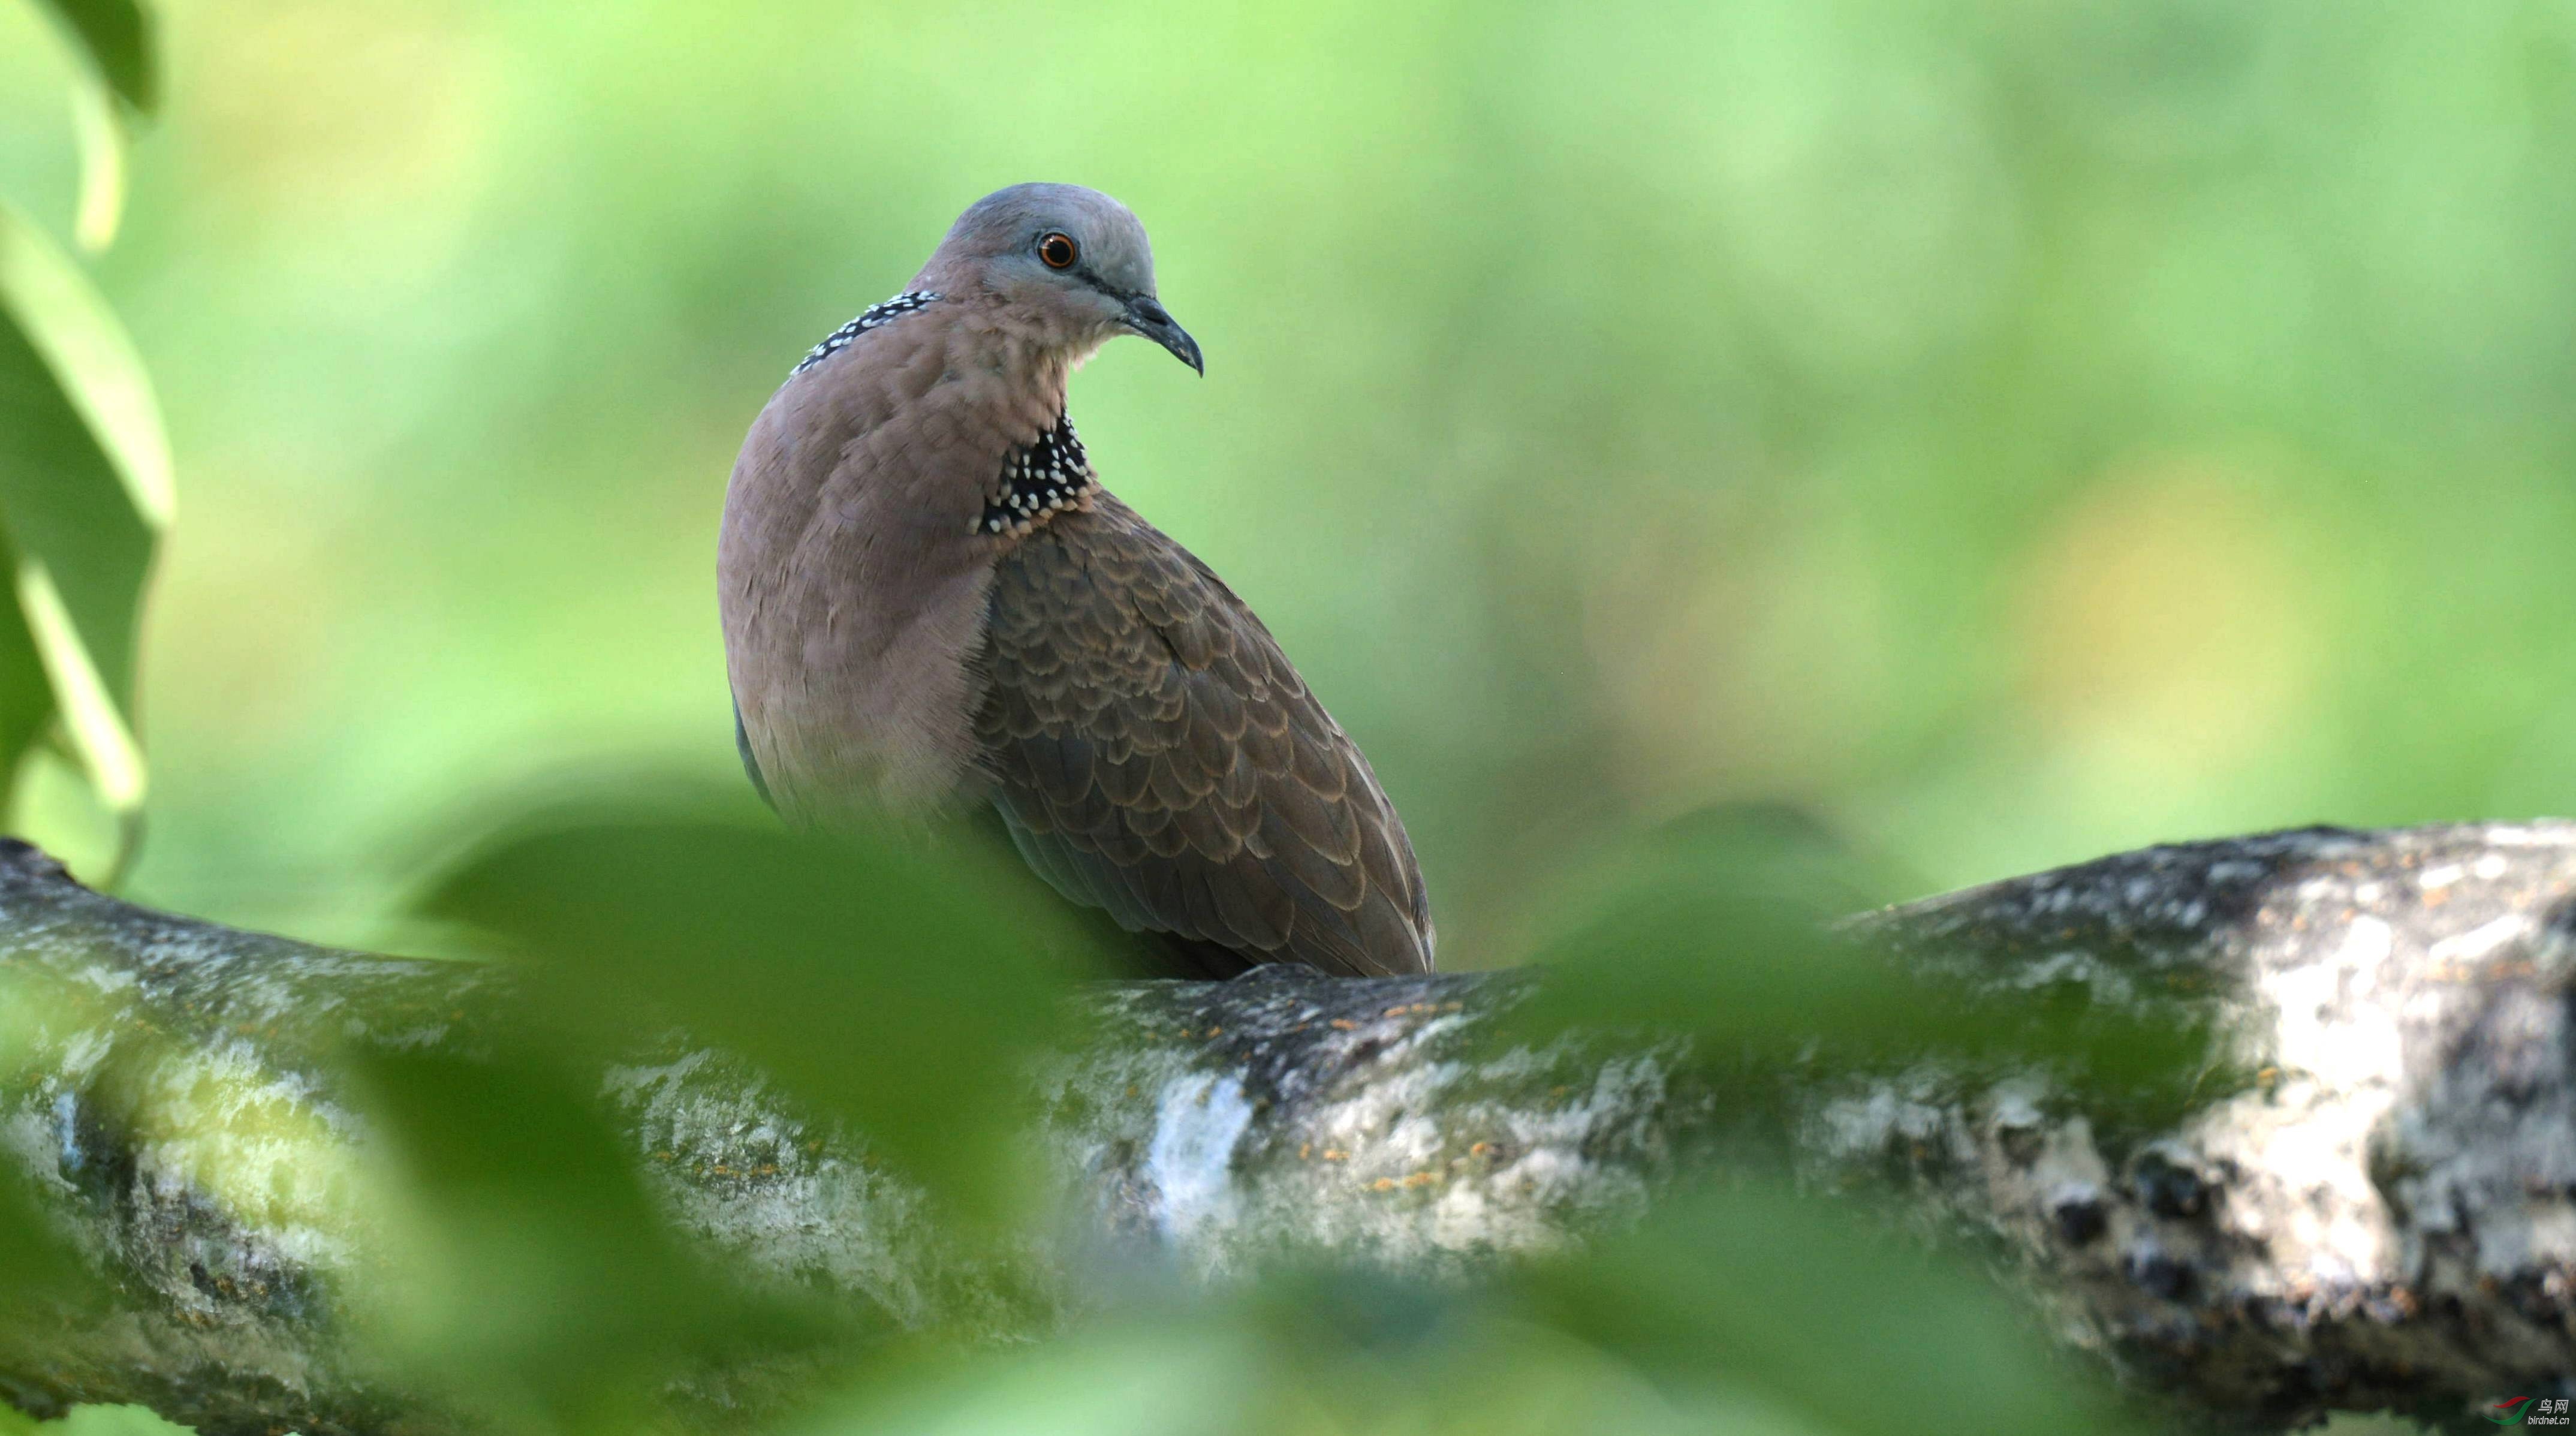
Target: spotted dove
<point x="930" y="601"/>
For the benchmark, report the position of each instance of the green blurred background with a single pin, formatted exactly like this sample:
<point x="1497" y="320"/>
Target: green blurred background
<point x="2014" y="431"/>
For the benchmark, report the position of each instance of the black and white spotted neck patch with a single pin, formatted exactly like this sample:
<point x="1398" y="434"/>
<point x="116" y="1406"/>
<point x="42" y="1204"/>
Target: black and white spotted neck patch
<point x="873" y="317"/>
<point x="1038" y="481"/>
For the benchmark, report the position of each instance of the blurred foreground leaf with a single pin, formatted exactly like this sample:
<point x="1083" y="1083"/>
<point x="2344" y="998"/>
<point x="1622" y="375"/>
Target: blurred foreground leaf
<point x="84" y="490"/>
<point x="39" y="1266"/>
<point x="884" y="983"/>
<point x="100" y="131"/>
<point x="1723" y="929"/>
<point x="97" y="1421"/>
<point x="41" y="1272"/>
<point x="119" y="77"/>
<point x="115" y="36"/>
<point x="1752" y="1311"/>
<point x="26" y="694"/>
<point x="1139" y="1380"/>
<point x="1799" y="1302"/>
<point x="537" y="1268"/>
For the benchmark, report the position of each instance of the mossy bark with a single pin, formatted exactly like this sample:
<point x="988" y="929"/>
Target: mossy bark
<point x="2384" y="1216"/>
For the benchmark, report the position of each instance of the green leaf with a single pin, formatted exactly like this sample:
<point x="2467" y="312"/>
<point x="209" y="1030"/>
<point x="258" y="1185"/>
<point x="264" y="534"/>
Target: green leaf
<point x="41" y="1268"/>
<point x="894" y="985"/>
<point x="39" y="1265"/>
<point x="1804" y="1303"/>
<point x="116" y="36"/>
<point x="531" y="1263"/>
<point x="1722" y="928"/>
<point x="111" y="1421"/>
<point x="84" y="490"/>
<point x="114" y="42"/>
<point x="26" y="696"/>
<point x="1170" y="1380"/>
<point x="102" y="150"/>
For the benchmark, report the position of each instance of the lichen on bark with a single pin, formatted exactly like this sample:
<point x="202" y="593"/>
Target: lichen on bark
<point x="2382" y="1214"/>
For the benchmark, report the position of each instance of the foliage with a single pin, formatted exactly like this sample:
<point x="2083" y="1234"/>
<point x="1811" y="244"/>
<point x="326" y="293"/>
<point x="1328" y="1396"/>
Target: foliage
<point x="85" y="486"/>
<point x="898" y="987"/>
<point x="716" y="921"/>
<point x="2014" y="432"/>
<point x="1728" y="925"/>
<point x="91" y="1421"/>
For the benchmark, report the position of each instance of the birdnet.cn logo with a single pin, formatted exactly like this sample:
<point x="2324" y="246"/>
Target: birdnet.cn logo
<point x="2523" y="1411"/>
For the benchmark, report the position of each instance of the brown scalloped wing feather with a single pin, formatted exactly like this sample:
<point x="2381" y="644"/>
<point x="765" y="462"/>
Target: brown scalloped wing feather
<point x="1157" y="756"/>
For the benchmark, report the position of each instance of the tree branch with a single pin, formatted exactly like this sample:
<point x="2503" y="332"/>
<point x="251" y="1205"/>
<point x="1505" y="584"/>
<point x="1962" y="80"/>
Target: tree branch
<point x="2385" y="1216"/>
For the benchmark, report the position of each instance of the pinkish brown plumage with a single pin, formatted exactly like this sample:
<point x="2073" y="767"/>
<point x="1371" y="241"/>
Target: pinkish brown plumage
<point x="928" y="598"/>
